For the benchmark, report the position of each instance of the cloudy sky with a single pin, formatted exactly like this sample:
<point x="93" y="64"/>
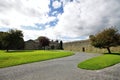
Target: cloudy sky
<point x="67" y="20"/>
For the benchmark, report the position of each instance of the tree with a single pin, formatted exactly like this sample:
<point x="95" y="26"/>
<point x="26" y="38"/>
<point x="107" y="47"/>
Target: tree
<point x="13" y="40"/>
<point x="61" y="45"/>
<point x="2" y="35"/>
<point x="107" y="38"/>
<point x="43" y="41"/>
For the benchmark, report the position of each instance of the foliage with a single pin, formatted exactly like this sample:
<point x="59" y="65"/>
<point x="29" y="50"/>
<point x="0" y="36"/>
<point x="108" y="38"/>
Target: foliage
<point x="100" y="62"/>
<point x="106" y="39"/>
<point x="61" y="45"/>
<point x="13" y="39"/>
<point x="29" y="56"/>
<point x="43" y="41"/>
<point x="2" y="35"/>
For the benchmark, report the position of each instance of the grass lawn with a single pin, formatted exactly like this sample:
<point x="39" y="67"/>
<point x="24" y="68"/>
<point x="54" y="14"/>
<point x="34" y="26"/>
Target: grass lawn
<point x="13" y="58"/>
<point x="100" y="62"/>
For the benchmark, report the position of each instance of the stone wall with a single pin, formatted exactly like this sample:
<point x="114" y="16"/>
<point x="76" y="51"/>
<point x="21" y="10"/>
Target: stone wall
<point x="79" y="45"/>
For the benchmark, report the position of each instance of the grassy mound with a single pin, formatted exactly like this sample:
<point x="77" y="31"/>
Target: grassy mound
<point x="100" y="62"/>
<point x="13" y="58"/>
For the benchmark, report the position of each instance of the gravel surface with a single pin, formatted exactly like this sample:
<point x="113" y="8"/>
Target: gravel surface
<point x="60" y="69"/>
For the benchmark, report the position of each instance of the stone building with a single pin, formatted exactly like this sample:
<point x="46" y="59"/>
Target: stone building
<point x="54" y="45"/>
<point x="34" y="45"/>
<point x="31" y="45"/>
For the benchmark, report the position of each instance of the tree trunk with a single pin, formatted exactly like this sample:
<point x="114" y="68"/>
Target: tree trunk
<point x="7" y="50"/>
<point x="108" y="50"/>
<point x="44" y="47"/>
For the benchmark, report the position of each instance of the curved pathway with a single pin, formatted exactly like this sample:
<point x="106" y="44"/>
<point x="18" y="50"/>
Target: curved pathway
<point x="60" y="69"/>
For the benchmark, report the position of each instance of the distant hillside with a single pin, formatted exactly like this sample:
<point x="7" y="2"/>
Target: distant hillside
<point x="79" y="45"/>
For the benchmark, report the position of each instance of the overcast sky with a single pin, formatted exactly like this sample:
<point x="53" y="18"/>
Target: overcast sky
<point x="67" y="20"/>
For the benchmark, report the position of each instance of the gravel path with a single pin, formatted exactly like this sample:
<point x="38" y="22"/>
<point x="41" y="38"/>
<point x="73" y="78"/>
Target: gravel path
<point x="59" y="69"/>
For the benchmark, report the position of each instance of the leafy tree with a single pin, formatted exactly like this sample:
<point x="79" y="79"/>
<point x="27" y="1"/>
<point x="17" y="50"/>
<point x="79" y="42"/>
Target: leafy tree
<point x="2" y="35"/>
<point x="1" y="46"/>
<point x="43" y="41"/>
<point x="13" y="40"/>
<point x="107" y="38"/>
<point x="61" y="45"/>
<point x="57" y="41"/>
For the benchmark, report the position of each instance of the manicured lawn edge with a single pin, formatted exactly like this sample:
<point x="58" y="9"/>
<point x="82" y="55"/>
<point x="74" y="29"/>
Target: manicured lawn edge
<point x="23" y="57"/>
<point x="100" y="62"/>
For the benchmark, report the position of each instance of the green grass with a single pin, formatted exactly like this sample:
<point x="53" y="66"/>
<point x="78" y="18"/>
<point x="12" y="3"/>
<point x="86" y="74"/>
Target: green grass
<point x="13" y="58"/>
<point x="100" y="62"/>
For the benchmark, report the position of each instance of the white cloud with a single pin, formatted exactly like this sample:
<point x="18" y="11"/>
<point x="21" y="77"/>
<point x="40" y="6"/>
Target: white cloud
<point x="83" y="19"/>
<point x="49" y="32"/>
<point x="56" y="4"/>
<point x="88" y="17"/>
<point x="16" y="13"/>
<point x="80" y="17"/>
